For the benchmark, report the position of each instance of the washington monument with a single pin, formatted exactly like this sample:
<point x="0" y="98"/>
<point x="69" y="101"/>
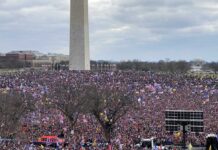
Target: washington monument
<point x="79" y="36"/>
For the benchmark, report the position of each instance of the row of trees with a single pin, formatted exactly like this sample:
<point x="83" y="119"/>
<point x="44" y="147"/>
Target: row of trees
<point x="211" y="66"/>
<point x="161" y="66"/>
<point x="167" y="66"/>
<point x="106" y="104"/>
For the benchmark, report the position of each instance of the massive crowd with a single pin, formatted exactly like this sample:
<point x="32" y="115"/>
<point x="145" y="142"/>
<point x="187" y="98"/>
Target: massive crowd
<point x="154" y="93"/>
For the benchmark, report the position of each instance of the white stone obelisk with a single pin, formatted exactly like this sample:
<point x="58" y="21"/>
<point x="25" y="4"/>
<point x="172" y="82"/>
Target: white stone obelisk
<point x="79" y="36"/>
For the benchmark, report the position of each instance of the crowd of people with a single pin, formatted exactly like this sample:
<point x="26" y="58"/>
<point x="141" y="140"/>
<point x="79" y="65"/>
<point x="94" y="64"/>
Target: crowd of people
<point x="154" y="94"/>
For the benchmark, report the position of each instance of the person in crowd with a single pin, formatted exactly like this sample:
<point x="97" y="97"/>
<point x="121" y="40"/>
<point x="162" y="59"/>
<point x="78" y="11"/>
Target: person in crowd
<point x="154" y="94"/>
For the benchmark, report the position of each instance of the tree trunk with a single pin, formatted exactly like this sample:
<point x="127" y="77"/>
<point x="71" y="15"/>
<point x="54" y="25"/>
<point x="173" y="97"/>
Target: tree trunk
<point x="72" y="124"/>
<point x="107" y="134"/>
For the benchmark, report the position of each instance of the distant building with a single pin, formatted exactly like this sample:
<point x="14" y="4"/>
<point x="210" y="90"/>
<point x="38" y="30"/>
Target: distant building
<point x="41" y="63"/>
<point x="57" y="58"/>
<point x="37" y="54"/>
<point x="49" y="60"/>
<point x="197" y="65"/>
<point x="20" y="55"/>
<point x="35" y="59"/>
<point x="3" y="59"/>
<point x="196" y="68"/>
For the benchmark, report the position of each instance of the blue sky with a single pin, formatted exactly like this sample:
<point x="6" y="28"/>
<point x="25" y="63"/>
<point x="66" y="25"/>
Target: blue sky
<point x="149" y="30"/>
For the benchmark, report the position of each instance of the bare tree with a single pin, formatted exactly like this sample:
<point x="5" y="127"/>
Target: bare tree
<point x="67" y="98"/>
<point x="13" y="106"/>
<point x="213" y="66"/>
<point x="108" y="105"/>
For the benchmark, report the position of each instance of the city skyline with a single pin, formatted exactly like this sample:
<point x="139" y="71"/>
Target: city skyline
<point x="119" y="30"/>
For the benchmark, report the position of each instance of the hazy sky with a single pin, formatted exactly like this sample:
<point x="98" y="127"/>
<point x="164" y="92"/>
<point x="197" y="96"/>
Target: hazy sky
<point x="119" y="29"/>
